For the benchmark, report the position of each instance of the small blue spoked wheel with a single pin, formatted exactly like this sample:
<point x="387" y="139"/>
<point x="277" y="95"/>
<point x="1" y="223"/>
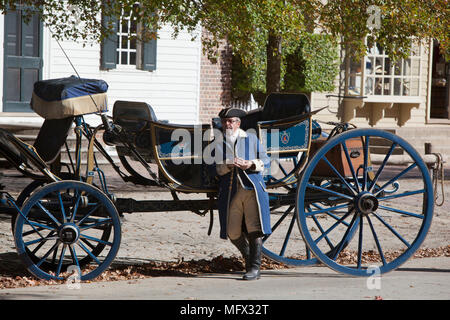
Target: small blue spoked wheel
<point x="365" y="202"/>
<point x="285" y="244"/>
<point x="65" y="225"/>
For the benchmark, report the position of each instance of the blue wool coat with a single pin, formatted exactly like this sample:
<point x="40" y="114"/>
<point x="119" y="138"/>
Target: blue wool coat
<point x="247" y="147"/>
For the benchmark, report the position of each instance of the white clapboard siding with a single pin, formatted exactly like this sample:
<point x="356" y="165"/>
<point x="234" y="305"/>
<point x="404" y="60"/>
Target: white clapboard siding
<point x="172" y="89"/>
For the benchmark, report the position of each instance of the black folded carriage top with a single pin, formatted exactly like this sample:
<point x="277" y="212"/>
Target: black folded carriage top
<point x="68" y="97"/>
<point x="276" y="107"/>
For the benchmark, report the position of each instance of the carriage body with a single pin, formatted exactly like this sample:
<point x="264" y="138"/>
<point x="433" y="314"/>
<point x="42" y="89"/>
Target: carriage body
<point x="284" y="126"/>
<point x="330" y="187"/>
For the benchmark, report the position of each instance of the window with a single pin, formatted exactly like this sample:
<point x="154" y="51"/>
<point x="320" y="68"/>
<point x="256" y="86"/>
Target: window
<point x="379" y="75"/>
<point x="126" y="41"/>
<point x="122" y="48"/>
<point x="354" y="79"/>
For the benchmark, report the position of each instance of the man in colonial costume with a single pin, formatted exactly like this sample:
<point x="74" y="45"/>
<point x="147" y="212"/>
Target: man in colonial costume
<point x="243" y="200"/>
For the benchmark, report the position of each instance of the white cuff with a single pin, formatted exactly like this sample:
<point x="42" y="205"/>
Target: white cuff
<point x="259" y="165"/>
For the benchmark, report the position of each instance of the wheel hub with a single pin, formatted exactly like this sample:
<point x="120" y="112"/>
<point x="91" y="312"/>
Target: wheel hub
<point x="69" y="234"/>
<point x="366" y="203"/>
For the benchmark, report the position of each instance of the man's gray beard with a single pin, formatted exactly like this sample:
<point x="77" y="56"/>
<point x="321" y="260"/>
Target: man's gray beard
<point x="228" y="133"/>
<point x="229" y="136"/>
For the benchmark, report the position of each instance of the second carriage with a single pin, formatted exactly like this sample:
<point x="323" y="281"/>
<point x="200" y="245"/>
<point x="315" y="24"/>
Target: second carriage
<point x="341" y="199"/>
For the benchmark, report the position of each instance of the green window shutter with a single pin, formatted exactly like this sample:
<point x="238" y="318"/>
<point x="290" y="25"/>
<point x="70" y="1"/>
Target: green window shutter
<point x="149" y="55"/>
<point x="146" y="53"/>
<point x="108" y="51"/>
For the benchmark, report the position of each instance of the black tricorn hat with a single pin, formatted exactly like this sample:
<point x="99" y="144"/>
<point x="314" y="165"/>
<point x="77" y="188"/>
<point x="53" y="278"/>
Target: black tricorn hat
<point x="231" y="113"/>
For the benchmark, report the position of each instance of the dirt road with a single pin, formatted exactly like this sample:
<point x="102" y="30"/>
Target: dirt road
<point x="173" y="236"/>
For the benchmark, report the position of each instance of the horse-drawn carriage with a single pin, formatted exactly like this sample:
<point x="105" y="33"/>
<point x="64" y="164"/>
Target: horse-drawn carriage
<point x="350" y="211"/>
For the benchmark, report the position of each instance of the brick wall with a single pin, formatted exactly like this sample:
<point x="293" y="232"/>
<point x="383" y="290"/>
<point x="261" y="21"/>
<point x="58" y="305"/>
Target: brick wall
<point x="215" y="85"/>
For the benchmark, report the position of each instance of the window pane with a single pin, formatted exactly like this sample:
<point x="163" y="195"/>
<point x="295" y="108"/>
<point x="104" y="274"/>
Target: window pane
<point x="132" y="57"/>
<point x="387" y="66"/>
<point x="369" y="85"/>
<point x="354" y="84"/>
<point x="376" y="49"/>
<point x="406" y="87"/>
<point x="133" y="27"/>
<point x="398" y="68"/>
<point x="397" y="86"/>
<point x="378" y="85"/>
<point x="369" y="65"/>
<point x="387" y="86"/>
<point x="13" y="86"/>
<point x="124" y="26"/>
<point x="378" y="66"/>
<point x="407" y="67"/>
<point x="124" y="42"/>
<point x="124" y="58"/>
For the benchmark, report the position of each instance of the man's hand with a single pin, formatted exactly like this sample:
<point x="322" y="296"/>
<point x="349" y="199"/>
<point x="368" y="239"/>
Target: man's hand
<point x="229" y="163"/>
<point x="243" y="164"/>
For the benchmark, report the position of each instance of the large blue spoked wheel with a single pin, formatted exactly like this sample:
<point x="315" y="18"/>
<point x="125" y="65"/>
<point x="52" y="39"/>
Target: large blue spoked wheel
<point x="63" y="226"/>
<point x="285" y="244"/>
<point x="365" y="202"/>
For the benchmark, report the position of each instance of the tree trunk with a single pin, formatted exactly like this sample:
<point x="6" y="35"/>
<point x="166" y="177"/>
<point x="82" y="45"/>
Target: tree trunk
<point x="273" y="73"/>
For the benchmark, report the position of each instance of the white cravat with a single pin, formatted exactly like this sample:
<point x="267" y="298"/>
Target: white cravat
<point x="231" y="137"/>
<point x="230" y="140"/>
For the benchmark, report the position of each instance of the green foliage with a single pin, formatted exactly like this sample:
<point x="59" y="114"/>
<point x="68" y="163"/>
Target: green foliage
<point x="313" y="66"/>
<point x="246" y="79"/>
<point x="243" y="21"/>
<point x="246" y="25"/>
<point x="81" y="20"/>
<point x="309" y="64"/>
<point x="400" y="21"/>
